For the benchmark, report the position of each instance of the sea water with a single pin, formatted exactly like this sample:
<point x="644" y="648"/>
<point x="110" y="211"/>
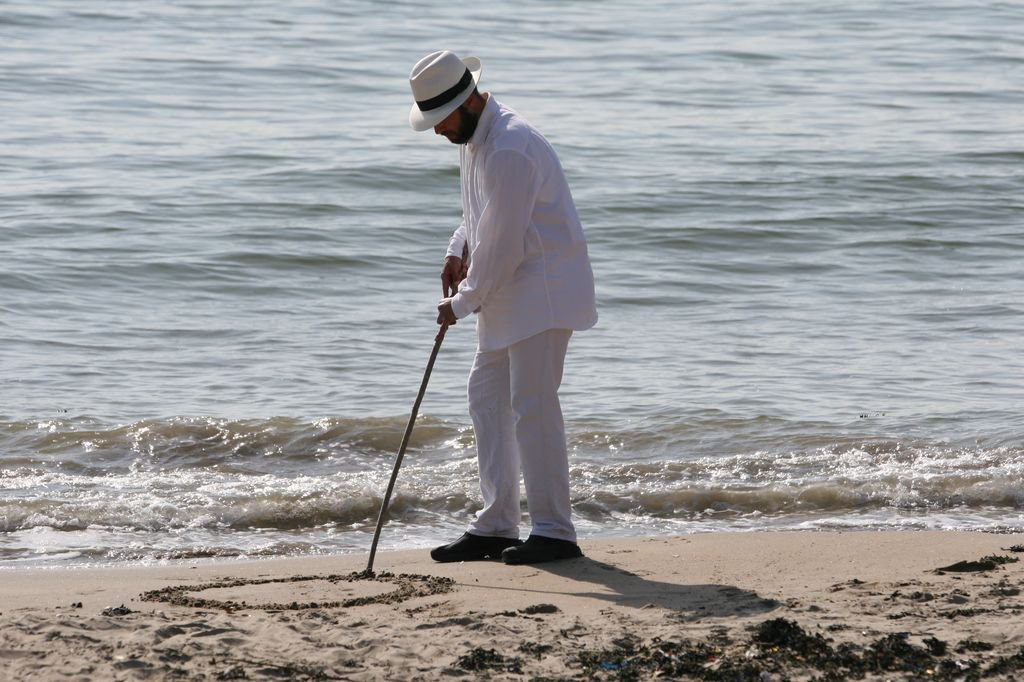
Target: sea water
<point x="220" y="245"/>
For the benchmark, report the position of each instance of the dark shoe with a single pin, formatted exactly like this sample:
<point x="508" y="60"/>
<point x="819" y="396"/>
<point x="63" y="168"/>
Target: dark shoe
<point x="473" y="548"/>
<point x="538" y="549"/>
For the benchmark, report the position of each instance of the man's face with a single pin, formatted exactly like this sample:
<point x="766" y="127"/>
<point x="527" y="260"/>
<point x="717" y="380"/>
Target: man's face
<point x="459" y="126"/>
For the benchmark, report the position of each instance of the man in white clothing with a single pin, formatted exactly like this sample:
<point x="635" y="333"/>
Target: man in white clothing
<point x="519" y="262"/>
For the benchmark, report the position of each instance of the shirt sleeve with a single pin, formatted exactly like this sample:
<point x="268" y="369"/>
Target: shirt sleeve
<point x="457" y="241"/>
<point x="509" y="181"/>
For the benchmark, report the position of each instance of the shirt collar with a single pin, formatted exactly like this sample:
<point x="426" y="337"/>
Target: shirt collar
<point x="483" y="126"/>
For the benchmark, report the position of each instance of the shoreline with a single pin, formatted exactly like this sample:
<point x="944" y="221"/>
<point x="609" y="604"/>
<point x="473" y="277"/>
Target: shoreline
<point x="792" y="605"/>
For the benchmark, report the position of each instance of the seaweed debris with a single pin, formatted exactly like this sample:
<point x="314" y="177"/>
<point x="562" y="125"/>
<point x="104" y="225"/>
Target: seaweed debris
<point x="488" y="659"/>
<point x="973" y="645"/>
<point x="986" y="563"/>
<point x="781" y="647"/>
<point x="535" y="649"/>
<point x="121" y="610"/>
<point x="1007" y="664"/>
<point x="630" y="660"/>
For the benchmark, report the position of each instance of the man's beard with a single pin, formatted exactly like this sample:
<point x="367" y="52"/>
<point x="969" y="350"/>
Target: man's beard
<point x="467" y="126"/>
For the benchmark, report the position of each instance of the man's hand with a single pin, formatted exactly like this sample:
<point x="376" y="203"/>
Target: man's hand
<point x="445" y="314"/>
<point x="453" y="272"/>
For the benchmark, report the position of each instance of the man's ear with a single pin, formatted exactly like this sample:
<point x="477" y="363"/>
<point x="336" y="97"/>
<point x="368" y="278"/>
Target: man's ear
<point x="476" y="102"/>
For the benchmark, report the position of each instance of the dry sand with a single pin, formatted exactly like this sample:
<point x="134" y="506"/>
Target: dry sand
<point x="738" y="606"/>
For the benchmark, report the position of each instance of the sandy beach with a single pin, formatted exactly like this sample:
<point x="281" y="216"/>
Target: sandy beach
<point x="738" y="606"/>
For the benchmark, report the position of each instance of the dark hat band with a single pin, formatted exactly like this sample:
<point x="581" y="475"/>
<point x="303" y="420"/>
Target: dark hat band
<point x="446" y="96"/>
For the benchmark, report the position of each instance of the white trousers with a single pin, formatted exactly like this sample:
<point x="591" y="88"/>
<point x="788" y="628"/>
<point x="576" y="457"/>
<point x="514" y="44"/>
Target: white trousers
<point x="517" y="419"/>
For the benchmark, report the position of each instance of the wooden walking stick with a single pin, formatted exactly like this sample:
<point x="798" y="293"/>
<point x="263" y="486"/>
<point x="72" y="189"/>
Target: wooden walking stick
<point x="405" y="442"/>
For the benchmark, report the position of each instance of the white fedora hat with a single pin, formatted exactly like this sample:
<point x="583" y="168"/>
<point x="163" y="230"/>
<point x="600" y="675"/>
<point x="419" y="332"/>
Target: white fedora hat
<point x="440" y="82"/>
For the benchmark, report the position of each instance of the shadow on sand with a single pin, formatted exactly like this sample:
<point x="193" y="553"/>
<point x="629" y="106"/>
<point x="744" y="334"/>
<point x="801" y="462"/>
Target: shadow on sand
<point x="626" y="588"/>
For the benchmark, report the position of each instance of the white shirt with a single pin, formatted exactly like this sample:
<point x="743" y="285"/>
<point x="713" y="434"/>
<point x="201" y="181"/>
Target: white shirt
<point x="528" y="264"/>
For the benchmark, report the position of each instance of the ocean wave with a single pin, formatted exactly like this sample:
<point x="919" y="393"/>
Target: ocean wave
<point x="247" y="445"/>
<point x="289" y="474"/>
<point x="79" y="490"/>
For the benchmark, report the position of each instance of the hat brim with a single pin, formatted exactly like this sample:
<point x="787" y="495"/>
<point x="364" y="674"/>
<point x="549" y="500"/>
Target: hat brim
<point x="425" y="120"/>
